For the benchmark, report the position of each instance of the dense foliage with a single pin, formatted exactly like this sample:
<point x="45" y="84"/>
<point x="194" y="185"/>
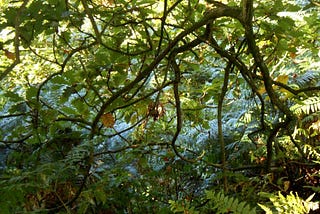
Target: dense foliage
<point x="144" y="106"/>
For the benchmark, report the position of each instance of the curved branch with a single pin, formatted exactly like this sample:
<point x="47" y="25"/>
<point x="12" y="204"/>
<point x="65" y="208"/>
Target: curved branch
<point x="246" y="21"/>
<point x="211" y="15"/>
<point x="93" y="22"/>
<point x="245" y="72"/>
<point x="21" y="140"/>
<point x="178" y="106"/>
<point x="296" y="91"/>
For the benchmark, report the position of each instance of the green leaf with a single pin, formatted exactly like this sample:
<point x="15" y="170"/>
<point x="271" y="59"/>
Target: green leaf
<point x="60" y="80"/>
<point x="14" y="97"/>
<point x="31" y="93"/>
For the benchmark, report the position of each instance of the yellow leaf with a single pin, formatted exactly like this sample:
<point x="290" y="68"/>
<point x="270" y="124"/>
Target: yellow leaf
<point x="286" y="185"/>
<point x="108" y="120"/>
<point x="282" y="79"/>
<point x="261" y="89"/>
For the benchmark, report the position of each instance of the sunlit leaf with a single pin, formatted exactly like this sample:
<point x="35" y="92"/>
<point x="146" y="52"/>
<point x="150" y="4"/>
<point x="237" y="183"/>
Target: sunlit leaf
<point x="282" y="79"/>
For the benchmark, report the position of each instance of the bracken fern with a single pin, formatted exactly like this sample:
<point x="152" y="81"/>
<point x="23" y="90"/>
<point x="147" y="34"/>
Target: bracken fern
<point x="228" y="204"/>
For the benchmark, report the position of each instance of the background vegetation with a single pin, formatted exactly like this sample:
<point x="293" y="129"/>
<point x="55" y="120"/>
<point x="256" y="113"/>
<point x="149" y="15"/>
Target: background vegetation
<point x="143" y="106"/>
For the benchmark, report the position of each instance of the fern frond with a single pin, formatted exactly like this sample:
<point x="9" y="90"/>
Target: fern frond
<point x="78" y="153"/>
<point x="307" y="106"/>
<point x="307" y="78"/>
<point x="290" y="203"/>
<point x="311" y="118"/>
<point x="226" y="204"/>
<point x="266" y="209"/>
<point x="311" y="151"/>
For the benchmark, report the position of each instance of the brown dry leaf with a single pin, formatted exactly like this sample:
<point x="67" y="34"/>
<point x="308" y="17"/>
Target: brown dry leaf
<point x="9" y="55"/>
<point x="108" y="120"/>
<point x="155" y="110"/>
<point x="293" y="55"/>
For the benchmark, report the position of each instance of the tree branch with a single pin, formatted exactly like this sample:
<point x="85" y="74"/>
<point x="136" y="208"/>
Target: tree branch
<point x="224" y="90"/>
<point x="93" y="22"/>
<point x="16" y="41"/>
<point x="246" y="20"/>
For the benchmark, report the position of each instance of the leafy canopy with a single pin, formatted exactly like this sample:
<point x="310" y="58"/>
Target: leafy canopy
<point x="125" y="106"/>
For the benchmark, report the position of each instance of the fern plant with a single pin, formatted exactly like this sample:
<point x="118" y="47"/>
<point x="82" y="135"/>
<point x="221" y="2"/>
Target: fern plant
<point x="309" y="77"/>
<point x="309" y="105"/>
<point x="219" y="203"/>
<point x="307" y="129"/>
<point x="228" y="204"/>
<point x="290" y="204"/>
<point x="182" y="207"/>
